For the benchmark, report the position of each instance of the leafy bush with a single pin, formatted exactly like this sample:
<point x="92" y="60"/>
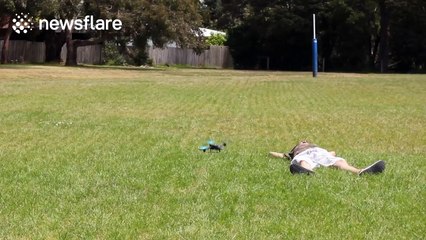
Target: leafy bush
<point x="216" y="40"/>
<point x="112" y="56"/>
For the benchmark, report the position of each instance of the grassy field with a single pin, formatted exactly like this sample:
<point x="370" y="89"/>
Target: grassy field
<point x="89" y="153"/>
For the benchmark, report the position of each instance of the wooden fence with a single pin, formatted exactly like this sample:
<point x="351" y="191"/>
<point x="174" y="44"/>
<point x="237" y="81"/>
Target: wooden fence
<point x="215" y="56"/>
<point x="34" y="52"/>
<point x="88" y="54"/>
<point x="21" y="51"/>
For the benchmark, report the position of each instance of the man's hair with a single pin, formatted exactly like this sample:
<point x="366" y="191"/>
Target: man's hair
<point x="300" y="147"/>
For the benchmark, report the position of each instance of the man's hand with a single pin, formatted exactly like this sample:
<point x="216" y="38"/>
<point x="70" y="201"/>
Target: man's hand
<point x="276" y="154"/>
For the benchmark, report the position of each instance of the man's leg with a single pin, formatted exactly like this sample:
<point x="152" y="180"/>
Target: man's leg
<point x="343" y="165"/>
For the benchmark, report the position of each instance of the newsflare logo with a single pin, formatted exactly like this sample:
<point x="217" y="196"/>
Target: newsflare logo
<point x="23" y="23"/>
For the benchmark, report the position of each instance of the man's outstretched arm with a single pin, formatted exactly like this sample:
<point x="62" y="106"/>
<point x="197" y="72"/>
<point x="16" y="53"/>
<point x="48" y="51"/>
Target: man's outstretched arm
<point x="277" y="154"/>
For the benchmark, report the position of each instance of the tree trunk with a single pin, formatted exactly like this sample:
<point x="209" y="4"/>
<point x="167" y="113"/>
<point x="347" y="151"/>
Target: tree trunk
<point x="4" y="58"/>
<point x="71" y="49"/>
<point x="72" y="46"/>
<point x="374" y="51"/>
<point x="384" y="36"/>
<point x="54" y="43"/>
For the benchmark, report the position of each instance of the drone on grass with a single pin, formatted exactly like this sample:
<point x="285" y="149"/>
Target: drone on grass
<point x="212" y="146"/>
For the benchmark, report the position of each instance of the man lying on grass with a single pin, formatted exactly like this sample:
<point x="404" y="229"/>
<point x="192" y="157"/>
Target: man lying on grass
<point x="305" y="157"/>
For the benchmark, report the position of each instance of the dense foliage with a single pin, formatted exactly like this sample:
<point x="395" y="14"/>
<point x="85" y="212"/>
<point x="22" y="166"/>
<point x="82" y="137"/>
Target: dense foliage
<point x="353" y="35"/>
<point x="216" y="40"/>
<point x="143" y="20"/>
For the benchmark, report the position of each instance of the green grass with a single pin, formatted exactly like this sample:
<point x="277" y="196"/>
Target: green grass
<point x="90" y="153"/>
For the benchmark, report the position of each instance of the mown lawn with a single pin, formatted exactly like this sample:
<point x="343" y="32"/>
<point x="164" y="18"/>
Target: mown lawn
<point x="89" y="153"/>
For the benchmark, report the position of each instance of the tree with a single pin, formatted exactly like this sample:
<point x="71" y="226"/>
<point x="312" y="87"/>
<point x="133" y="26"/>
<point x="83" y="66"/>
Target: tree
<point x="274" y="33"/>
<point x="407" y="40"/>
<point x="6" y="20"/>
<point x="53" y="40"/>
<point x="354" y="35"/>
<point x="159" y="21"/>
<point x="8" y="8"/>
<point x="224" y="14"/>
<point x="71" y="9"/>
<point x="68" y="10"/>
<point x="384" y="35"/>
<point x="348" y="34"/>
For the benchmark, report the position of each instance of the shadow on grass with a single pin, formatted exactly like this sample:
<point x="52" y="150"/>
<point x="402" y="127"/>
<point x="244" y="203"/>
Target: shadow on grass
<point x="17" y="66"/>
<point x="109" y="67"/>
<point x="157" y="67"/>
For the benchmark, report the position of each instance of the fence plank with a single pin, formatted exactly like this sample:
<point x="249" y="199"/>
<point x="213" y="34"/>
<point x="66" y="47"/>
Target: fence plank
<point x="215" y="56"/>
